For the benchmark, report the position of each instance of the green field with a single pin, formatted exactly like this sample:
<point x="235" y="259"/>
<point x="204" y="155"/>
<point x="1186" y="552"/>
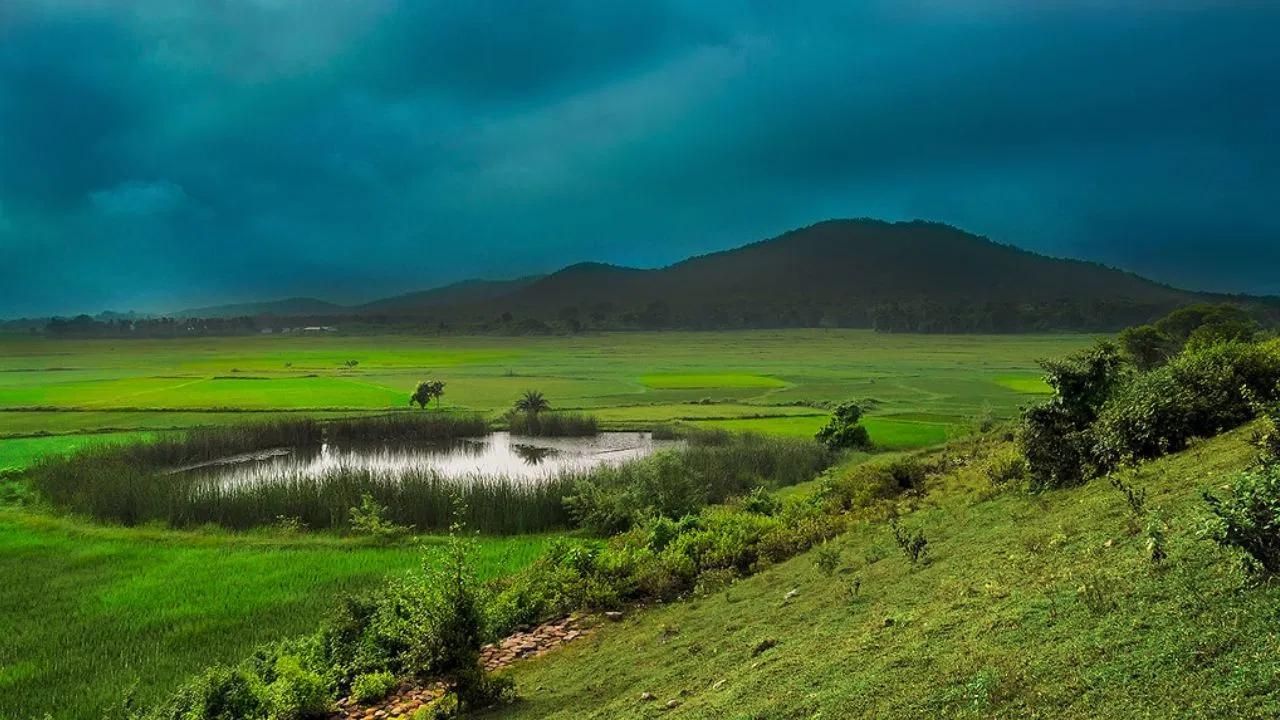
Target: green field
<point x="627" y="379"/>
<point x="95" y="609"/>
<point x="92" y="611"/>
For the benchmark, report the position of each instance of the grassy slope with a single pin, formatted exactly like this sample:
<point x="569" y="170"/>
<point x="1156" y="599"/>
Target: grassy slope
<point x="1031" y="607"/>
<point x="89" y="610"/>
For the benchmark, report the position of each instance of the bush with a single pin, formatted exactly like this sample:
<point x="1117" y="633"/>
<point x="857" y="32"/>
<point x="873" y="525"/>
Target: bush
<point x="843" y="429"/>
<point x="1006" y="468"/>
<point x="1200" y="393"/>
<point x="369" y="518"/>
<point x="866" y="483"/>
<point x="372" y="686"/>
<point x="219" y="693"/>
<point x="1248" y="519"/>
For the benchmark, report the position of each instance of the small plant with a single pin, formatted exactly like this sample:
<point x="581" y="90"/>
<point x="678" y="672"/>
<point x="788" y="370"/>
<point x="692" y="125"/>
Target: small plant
<point x="370" y="518"/>
<point x="373" y="686"/>
<point x="1135" y="497"/>
<point x="913" y="543"/>
<point x="1248" y="518"/>
<point x="351" y="364"/>
<point x="1156" y="549"/>
<point x="827" y="558"/>
<point x="761" y="502"/>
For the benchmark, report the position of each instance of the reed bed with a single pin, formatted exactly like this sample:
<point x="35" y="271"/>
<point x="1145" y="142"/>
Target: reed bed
<point x="553" y="424"/>
<point x="129" y="484"/>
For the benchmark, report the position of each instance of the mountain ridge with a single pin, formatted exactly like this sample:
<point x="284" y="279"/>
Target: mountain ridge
<point x="898" y="276"/>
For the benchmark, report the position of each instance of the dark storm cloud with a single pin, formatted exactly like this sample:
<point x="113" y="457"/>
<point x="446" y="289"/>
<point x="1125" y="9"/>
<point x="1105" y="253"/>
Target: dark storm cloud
<point x="157" y="154"/>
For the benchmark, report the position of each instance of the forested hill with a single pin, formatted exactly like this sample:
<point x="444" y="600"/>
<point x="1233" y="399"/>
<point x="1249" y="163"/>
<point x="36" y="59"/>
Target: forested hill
<point x="912" y="276"/>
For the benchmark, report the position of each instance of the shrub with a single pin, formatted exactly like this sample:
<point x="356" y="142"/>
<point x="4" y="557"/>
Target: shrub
<point x="1056" y="437"/>
<point x="294" y="692"/>
<point x="1248" y="518"/>
<point x="761" y="502"/>
<point x="1267" y="437"/>
<point x="1200" y="393"/>
<point x="369" y="518"/>
<point x="1006" y="468"/>
<point x="219" y="693"/>
<point x="866" y="483"/>
<point x="843" y="429"/>
<point x="913" y="543"/>
<point x="369" y="687"/>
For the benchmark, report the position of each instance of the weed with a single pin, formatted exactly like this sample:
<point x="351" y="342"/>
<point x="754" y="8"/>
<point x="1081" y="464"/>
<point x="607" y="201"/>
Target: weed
<point x="913" y="543"/>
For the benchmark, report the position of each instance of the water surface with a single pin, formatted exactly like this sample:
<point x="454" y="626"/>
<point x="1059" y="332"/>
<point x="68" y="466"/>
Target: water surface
<point x="498" y="454"/>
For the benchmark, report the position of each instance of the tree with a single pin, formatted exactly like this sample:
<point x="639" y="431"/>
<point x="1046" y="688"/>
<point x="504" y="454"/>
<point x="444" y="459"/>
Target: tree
<point x="532" y="402"/>
<point x="844" y="430"/>
<point x="426" y="391"/>
<point x="1146" y="346"/>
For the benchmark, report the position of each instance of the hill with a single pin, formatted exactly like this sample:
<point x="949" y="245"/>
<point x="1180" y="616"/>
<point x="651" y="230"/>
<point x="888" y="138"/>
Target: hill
<point x="1030" y="606"/>
<point x="853" y="273"/>
<point x="894" y="277"/>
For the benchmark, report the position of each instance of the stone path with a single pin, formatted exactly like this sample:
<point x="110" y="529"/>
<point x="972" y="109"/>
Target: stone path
<point x="410" y="697"/>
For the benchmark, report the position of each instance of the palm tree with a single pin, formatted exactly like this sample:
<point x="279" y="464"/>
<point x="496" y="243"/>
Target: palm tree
<point x="532" y="402"/>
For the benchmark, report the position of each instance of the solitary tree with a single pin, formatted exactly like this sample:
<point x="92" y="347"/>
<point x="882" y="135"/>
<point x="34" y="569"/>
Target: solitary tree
<point x="844" y="429"/>
<point x="532" y="402"/>
<point x="426" y="390"/>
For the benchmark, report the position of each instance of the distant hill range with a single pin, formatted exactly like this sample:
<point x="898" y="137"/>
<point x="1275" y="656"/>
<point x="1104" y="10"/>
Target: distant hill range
<point x="894" y="277"/>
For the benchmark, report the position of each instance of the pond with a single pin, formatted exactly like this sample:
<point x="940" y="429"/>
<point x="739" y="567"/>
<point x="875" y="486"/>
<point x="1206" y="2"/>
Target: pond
<point x="498" y="454"/>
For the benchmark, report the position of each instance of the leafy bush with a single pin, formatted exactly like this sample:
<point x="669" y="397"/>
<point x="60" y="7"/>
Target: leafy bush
<point x="369" y="687"/>
<point x="1056" y="437"/>
<point x="866" y="483"/>
<point x="843" y="429"/>
<point x="1200" y="393"/>
<point x="1248" y="518"/>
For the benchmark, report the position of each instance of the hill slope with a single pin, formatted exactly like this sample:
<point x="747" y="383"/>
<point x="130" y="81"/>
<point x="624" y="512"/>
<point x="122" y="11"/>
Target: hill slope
<point x="1032" y="606"/>
<point x="907" y="276"/>
<point x="856" y="273"/>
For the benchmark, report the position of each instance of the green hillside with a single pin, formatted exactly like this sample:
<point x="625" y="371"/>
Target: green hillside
<point x="1029" y="606"/>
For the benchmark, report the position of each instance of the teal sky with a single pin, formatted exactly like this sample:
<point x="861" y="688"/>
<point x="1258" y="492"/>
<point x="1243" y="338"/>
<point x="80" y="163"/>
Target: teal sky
<point x="158" y="154"/>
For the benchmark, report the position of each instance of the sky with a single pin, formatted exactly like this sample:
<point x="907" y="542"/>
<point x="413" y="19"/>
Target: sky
<point x="156" y="155"/>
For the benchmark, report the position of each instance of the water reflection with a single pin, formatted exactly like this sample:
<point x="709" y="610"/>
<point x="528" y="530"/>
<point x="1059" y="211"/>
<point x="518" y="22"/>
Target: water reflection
<point x="495" y="455"/>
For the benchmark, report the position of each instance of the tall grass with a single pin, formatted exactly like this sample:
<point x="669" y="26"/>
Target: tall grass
<point x="128" y="485"/>
<point x="552" y="424"/>
<point x="405" y="427"/>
